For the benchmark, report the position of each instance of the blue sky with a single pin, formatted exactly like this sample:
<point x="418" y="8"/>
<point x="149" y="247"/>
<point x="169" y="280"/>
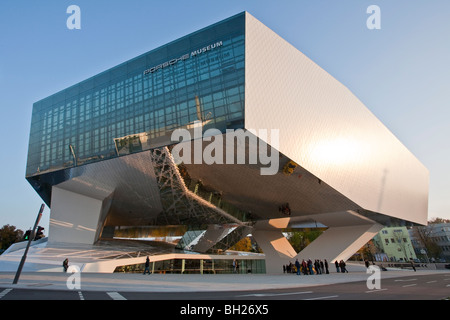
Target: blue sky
<point x="400" y="72"/>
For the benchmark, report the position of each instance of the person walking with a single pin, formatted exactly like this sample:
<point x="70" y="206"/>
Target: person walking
<point x="305" y="271"/>
<point x="412" y="265"/>
<point x="310" y="267"/>
<point x="297" y="265"/>
<point x="336" y="263"/>
<point x="342" y="265"/>
<point x="147" y="266"/>
<point x="317" y="266"/>
<point x="66" y="264"/>
<point x="326" y="267"/>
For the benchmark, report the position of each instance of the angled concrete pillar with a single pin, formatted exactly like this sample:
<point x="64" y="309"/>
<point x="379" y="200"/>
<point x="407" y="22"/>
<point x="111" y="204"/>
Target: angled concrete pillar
<point x="273" y="243"/>
<point x="347" y="232"/>
<point x="339" y="243"/>
<point x="76" y="217"/>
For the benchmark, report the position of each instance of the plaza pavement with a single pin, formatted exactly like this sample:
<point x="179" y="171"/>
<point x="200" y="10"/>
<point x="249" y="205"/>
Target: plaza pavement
<point x="193" y="282"/>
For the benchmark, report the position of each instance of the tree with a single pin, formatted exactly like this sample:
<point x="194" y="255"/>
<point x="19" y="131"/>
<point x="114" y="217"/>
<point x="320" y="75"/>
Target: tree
<point x="9" y="235"/>
<point x="299" y="240"/>
<point x="244" y="244"/>
<point x="438" y="220"/>
<point x="368" y="251"/>
<point x="423" y="234"/>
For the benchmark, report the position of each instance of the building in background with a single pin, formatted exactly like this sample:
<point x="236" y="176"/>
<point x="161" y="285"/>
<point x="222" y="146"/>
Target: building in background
<point x="394" y="244"/>
<point x="432" y="242"/>
<point x="102" y="152"/>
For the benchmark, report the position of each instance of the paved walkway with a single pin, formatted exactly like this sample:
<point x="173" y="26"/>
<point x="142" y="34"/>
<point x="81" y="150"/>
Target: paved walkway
<point x="190" y="282"/>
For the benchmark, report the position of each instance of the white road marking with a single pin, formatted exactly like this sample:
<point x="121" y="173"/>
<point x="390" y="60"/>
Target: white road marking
<point x="81" y="295"/>
<point x="318" y="298"/>
<point x="409" y="285"/>
<point x="4" y="293"/>
<point x="272" y="294"/>
<point x="402" y="280"/>
<point x="116" y="296"/>
<point x="375" y="290"/>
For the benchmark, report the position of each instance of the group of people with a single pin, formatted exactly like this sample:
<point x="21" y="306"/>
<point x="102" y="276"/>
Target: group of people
<point x="307" y="267"/>
<point x="340" y="266"/>
<point x="310" y="267"/>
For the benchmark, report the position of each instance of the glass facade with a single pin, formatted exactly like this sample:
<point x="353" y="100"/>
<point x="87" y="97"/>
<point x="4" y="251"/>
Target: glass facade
<point x="199" y="266"/>
<point x="136" y="105"/>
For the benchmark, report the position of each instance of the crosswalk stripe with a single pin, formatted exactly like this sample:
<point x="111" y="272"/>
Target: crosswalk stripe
<point x="116" y="296"/>
<point x="4" y="293"/>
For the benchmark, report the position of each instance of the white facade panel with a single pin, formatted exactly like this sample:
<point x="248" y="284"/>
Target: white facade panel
<point x="327" y="130"/>
<point x="74" y="217"/>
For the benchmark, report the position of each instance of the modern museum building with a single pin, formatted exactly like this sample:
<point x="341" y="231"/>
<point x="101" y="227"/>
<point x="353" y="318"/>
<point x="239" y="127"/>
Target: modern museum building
<point x="224" y="133"/>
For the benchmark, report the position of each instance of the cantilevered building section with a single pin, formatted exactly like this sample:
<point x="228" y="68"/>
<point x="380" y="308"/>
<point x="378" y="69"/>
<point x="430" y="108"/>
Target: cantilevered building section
<point x="103" y="156"/>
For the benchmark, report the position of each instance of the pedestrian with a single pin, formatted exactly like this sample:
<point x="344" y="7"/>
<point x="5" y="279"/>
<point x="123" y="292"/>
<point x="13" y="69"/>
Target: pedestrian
<point x="234" y="266"/>
<point x="310" y="267"/>
<point x="366" y="262"/>
<point x="326" y="267"/>
<point x="297" y="265"/>
<point x="321" y="266"/>
<point x="147" y="266"/>
<point x="342" y="265"/>
<point x="305" y="271"/>
<point x="66" y="264"/>
<point x="317" y="266"/>
<point x="336" y="263"/>
<point x="284" y="268"/>
<point x="412" y="265"/>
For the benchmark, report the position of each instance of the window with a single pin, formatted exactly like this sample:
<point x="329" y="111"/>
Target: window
<point x="117" y="103"/>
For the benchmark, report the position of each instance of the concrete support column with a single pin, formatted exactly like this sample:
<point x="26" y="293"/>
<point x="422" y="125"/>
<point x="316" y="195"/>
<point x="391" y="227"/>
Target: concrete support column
<point x="276" y="247"/>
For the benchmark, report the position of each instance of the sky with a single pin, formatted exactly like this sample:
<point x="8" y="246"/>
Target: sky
<point x="401" y="71"/>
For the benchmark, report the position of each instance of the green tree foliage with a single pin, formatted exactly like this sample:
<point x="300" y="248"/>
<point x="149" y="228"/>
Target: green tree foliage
<point x="9" y="235"/>
<point x="301" y="239"/>
<point x="244" y="244"/>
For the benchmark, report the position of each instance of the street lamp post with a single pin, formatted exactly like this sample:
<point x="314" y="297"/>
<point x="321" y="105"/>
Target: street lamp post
<point x="22" y="261"/>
